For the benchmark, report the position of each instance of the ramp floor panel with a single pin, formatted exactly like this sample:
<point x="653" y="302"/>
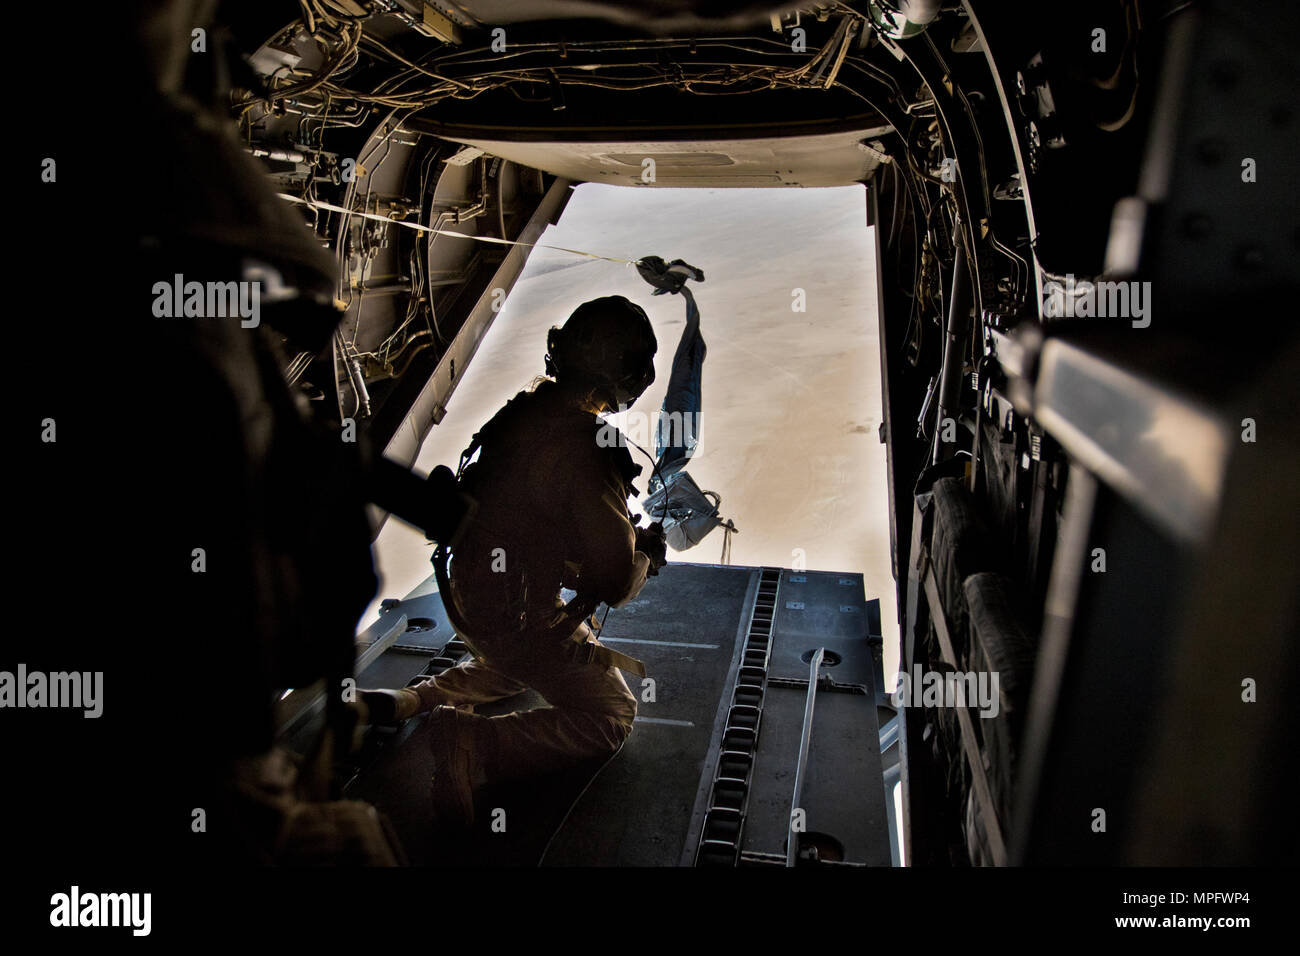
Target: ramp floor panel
<point x="843" y="796"/>
<point x="645" y="806"/>
<point x="638" y="811"/>
<point x="821" y="609"/>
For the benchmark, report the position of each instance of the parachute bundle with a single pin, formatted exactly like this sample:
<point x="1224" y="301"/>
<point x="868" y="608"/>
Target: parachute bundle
<point x="686" y="512"/>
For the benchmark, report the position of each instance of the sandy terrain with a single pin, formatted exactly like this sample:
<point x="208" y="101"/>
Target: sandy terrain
<point x="791" y="400"/>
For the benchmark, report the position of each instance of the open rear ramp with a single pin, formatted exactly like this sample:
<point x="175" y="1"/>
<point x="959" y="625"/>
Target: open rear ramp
<point x="708" y="775"/>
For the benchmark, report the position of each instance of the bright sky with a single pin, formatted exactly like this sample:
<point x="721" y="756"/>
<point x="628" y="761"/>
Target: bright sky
<point x="791" y="400"/>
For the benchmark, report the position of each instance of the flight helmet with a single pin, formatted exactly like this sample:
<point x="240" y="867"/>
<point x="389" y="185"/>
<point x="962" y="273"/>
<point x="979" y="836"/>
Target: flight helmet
<point x="607" y="344"/>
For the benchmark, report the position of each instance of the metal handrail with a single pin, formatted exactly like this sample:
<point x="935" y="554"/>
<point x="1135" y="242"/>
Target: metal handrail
<point x="805" y="738"/>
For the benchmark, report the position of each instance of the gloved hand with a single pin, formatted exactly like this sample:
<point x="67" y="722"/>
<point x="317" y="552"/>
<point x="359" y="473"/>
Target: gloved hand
<point x="388" y="707"/>
<point x="653" y="544"/>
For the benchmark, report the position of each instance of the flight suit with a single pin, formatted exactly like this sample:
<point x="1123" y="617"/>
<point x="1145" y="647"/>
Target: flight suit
<point x="552" y="513"/>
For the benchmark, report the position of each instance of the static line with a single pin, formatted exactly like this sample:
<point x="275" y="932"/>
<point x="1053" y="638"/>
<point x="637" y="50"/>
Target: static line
<point x="320" y="204"/>
<point x="662" y="720"/>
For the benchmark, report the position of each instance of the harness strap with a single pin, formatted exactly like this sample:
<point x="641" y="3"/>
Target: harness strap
<point x="589" y="652"/>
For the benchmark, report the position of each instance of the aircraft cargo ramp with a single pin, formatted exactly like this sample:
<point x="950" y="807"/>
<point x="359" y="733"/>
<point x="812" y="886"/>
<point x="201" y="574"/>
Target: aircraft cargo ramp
<point x="726" y="730"/>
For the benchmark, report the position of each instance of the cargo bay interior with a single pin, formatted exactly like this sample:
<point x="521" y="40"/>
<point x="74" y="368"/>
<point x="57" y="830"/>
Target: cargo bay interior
<point x="1003" y="155"/>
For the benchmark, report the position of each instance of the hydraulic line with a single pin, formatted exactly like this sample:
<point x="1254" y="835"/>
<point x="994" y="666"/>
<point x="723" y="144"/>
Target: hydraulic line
<point x="954" y="347"/>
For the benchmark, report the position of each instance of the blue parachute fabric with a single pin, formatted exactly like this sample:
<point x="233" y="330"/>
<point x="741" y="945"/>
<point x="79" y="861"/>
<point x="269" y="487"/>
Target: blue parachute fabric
<point x="677" y="435"/>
